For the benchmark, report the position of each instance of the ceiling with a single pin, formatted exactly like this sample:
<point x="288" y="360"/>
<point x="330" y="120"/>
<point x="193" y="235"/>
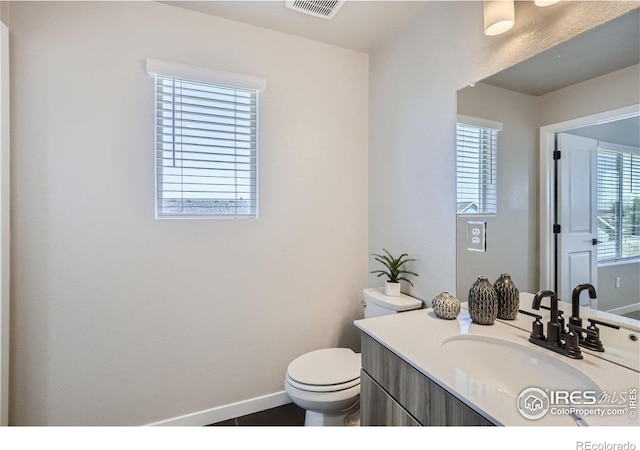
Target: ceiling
<point x="621" y="132"/>
<point x="609" y="47"/>
<point x="358" y="25"/>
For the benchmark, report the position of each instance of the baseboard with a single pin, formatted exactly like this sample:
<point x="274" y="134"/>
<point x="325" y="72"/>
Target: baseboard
<point x="226" y="412"/>
<point x="625" y="309"/>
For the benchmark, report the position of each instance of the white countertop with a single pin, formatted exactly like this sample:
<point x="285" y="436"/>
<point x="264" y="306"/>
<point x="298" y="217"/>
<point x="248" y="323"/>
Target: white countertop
<point x="418" y="338"/>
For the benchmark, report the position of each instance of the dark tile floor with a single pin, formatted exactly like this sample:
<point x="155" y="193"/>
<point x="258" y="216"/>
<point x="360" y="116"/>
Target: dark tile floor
<point x="283" y="416"/>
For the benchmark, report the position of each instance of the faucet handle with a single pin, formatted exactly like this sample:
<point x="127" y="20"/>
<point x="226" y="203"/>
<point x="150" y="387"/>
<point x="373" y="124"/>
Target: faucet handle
<point x="593" y="323"/>
<point x="592" y="340"/>
<point x="537" y="316"/>
<point x="572" y="340"/>
<point x="561" y="320"/>
<point x="587" y="331"/>
<point x="537" y="329"/>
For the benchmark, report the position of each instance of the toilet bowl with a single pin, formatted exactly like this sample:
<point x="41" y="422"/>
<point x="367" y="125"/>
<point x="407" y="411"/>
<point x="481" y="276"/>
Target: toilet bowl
<point x="326" y="382"/>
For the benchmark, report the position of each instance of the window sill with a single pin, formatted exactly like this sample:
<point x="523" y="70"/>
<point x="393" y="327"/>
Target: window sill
<point x="619" y="262"/>
<point x="468" y="215"/>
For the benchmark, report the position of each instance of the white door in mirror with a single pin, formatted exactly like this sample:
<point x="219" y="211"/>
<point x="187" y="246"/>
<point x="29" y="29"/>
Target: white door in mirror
<point x="577" y="262"/>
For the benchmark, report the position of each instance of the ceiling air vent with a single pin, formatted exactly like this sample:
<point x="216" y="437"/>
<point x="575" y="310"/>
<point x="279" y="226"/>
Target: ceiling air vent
<point x="324" y="9"/>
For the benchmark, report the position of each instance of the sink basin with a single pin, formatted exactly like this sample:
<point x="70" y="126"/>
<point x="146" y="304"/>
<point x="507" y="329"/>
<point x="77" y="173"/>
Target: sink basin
<point x="509" y="367"/>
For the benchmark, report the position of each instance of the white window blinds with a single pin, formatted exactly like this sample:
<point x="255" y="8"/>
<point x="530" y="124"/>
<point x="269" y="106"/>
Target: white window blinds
<point x="618" y="199"/>
<point x="206" y="145"/>
<point x="476" y="165"/>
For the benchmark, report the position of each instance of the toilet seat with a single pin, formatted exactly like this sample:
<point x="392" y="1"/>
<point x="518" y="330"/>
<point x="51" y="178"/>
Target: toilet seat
<point x="326" y="370"/>
<point x="333" y="402"/>
<point x="321" y="388"/>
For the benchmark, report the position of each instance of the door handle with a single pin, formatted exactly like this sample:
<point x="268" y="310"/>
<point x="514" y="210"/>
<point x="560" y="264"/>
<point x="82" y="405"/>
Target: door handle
<point x="594" y="242"/>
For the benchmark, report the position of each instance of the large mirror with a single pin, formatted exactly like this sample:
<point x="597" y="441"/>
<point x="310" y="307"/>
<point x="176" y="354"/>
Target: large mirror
<point x="582" y="94"/>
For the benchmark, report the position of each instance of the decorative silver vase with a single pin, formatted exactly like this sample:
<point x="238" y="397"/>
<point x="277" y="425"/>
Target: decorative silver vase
<point x="508" y="297"/>
<point x="445" y="306"/>
<point x="483" y="302"/>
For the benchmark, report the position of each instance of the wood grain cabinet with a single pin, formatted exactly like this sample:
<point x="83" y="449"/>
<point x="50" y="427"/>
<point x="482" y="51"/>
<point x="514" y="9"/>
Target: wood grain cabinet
<point x="379" y="408"/>
<point x="393" y="392"/>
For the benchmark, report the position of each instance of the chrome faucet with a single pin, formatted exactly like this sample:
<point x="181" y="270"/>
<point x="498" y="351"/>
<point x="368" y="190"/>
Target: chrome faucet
<point x="575" y="302"/>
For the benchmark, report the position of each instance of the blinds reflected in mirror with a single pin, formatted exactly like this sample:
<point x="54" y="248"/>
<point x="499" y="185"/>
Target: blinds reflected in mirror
<point x="476" y="166"/>
<point x="618" y="196"/>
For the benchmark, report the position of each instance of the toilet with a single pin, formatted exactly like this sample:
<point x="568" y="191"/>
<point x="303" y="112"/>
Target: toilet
<point x="326" y="382"/>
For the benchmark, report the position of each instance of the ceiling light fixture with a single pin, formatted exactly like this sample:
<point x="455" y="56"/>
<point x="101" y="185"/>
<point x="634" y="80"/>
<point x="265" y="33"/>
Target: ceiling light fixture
<point x="499" y="16"/>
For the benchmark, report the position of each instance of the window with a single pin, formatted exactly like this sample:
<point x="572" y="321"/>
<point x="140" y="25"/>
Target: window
<point x="618" y="199"/>
<point x="476" y="161"/>
<point x="206" y="125"/>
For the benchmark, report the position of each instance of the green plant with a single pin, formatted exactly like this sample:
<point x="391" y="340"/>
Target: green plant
<point x="394" y="267"/>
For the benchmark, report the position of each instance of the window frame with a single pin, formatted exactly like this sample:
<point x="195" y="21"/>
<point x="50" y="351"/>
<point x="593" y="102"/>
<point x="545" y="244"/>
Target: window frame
<point x="494" y="128"/>
<point x="215" y="80"/>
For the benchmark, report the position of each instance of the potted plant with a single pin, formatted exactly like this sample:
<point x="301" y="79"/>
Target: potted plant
<point x="394" y="272"/>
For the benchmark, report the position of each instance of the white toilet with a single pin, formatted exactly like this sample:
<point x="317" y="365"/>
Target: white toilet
<point x="326" y="383"/>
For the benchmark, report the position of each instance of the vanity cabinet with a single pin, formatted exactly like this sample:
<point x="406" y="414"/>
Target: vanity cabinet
<point x="393" y="392"/>
<point x="379" y="408"/>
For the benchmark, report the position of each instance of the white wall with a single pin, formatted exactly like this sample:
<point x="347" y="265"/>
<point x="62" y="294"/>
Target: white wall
<point x="413" y="81"/>
<point x="118" y="318"/>
<point x="604" y="93"/>
<point x="512" y="231"/>
<point x="107" y="329"/>
<point x="628" y="293"/>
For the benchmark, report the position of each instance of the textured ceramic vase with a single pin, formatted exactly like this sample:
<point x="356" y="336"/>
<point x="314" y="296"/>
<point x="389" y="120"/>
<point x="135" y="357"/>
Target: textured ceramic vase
<point x="508" y="297"/>
<point x="445" y="306"/>
<point x="483" y="302"/>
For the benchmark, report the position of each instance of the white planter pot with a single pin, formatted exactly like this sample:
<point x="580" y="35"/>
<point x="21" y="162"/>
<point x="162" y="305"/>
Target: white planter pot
<point x="392" y="289"/>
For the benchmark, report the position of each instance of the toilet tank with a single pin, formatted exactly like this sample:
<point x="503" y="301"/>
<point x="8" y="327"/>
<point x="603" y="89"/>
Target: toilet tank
<point x="376" y="303"/>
